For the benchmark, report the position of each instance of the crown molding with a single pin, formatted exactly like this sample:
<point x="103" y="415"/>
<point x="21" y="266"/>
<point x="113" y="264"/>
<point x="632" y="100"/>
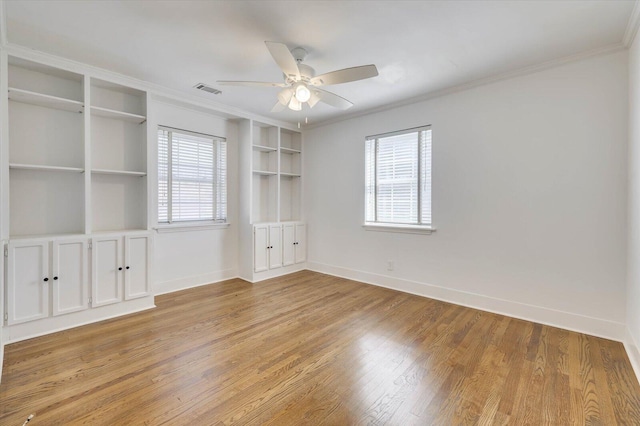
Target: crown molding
<point x="632" y="26"/>
<point x="532" y="69"/>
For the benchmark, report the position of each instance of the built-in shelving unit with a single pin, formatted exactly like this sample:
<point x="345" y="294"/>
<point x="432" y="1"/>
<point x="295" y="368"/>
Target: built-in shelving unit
<point x="49" y="134"/>
<point x="118" y="157"/>
<point x="265" y="172"/>
<point x="46" y="149"/>
<point x="272" y="233"/>
<point x="290" y="174"/>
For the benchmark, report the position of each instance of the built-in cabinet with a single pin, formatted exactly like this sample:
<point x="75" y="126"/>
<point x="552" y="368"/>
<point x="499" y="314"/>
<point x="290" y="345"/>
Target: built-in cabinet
<point x="271" y="200"/>
<point x="75" y="195"/>
<point x="120" y="268"/>
<point x="46" y="277"/>
<point x="267" y="247"/>
<point x="294" y="247"/>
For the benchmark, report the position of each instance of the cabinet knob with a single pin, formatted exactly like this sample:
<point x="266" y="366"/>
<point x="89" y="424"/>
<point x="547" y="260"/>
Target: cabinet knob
<point x="120" y="268"/>
<point x="46" y="279"/>
<point x="127" y="267"/>
<point x="55" y="278"/>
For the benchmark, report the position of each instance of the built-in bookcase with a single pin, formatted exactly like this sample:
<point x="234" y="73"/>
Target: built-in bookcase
<point x="290" y="173"/>
<point x="271" y="201"/>
<point x="118" y="157"/>
<point x="46" y="149"/>
<point x="264" y="173"/>
<point x="77" y="153"/>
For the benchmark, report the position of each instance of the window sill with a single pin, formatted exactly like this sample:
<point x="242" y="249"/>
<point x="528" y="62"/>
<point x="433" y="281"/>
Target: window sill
<point x="193" y="226"/>
<point x="403" y="229"/>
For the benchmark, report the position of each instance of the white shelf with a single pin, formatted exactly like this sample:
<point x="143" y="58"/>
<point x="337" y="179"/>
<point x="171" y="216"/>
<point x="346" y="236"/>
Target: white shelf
<point x="119" y="115"/>
<point x="118" y="172"/>
<point x="289" y="174"/>
<point x="40" y="99"/>
<point x="47" y="236"/>
<point x="45" y="168"/>
<point x="118" y="231"/>
<point x="264" y="173"/>
<point x="263" y="148"/>
<point x="289" y="150"/>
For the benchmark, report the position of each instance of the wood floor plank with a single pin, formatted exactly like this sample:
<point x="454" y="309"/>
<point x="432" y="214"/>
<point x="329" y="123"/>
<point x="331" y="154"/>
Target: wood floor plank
<point x="314" y="349"/>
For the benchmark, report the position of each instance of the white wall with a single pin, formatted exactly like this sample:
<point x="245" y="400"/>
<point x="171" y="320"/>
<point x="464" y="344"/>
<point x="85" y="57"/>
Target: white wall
<point x="529" y="198"/>
<point x="196" y="257"/>
<point x="633" y="290"/>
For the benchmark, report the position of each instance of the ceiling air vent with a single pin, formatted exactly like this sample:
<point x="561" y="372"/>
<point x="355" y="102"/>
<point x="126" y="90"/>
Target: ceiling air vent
<point x="202" y="86"/>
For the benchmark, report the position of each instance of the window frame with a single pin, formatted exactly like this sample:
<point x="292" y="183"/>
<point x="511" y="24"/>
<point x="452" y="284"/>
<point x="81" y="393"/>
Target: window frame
<point x="172" y="225"/>
<point x="413" y="228"/>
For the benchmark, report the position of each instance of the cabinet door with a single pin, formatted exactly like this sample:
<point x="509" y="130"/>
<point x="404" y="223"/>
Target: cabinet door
<point x="301" y="242"/>
<point x="70" y="280"/>
<point x="28" y="281"/>
<point x="288" y="244"/>
<point x="136" y="273"/>
<point x="275" y="242"/>
<point x="107" y="271"/>
<point x="260" y="248"/>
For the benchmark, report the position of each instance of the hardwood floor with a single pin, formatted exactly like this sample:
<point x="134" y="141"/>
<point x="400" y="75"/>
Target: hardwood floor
<point x="314" y="349"/>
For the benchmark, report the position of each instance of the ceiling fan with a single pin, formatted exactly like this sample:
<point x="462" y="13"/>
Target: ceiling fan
<point x="300" y="82"/>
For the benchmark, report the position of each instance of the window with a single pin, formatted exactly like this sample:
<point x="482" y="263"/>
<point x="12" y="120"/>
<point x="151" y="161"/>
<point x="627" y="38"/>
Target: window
<point x="398" y="179"/>
<point x="192" y="177"/>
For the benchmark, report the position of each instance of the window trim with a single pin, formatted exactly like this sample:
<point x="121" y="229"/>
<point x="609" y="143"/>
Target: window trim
<point x="187" y="225"/>
<point x="409" y="228"/>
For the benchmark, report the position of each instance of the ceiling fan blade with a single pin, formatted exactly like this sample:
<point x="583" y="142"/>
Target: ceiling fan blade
<point x="278" y="107"/>
<point x="283" y="58"/>
<point x="345" y="75"/>
<point x="285" y="96"/>
<point x="250" y="83"/>
<point x="313" y="99"/>
<point x="332" y="99"/>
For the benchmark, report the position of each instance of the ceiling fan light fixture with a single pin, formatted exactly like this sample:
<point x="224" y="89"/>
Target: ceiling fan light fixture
<point x="284" y="97"/>
<point x="295" y="104"/>
<point x="302" y="93"/>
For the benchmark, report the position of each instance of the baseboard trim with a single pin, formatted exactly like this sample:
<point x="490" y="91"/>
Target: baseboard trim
<point x="569" y="321"/>
<point x="256" y="277"/>
<point x="194" y="281"/>
<point x="632" y="352"/>
<point x="29" y="330"/>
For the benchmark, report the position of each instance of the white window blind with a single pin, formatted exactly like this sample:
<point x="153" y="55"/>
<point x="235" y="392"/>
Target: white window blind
<point x="192" y="177"/>
<point x="398" y="178"/>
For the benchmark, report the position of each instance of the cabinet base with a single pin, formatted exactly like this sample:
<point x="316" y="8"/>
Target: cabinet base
<point x="17" y="332"/>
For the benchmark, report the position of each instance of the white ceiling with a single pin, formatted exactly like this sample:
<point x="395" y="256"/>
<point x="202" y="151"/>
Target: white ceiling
<point x="419" y="47"/>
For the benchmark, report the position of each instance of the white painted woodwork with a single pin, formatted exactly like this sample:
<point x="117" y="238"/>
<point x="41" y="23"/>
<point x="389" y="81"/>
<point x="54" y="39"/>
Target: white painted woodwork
<point x="40" y="99"/>
<point x="137" y="266"/>
<point x="288" y="244"/>
<point x="275" y="242"/>
<point x="293" y="243"/>
<point x="107" y="267"/>
<point x="301" y="243"/>
<point x="272" y="198"/>
<point x="27" y="290"/>
<point x="70" y="279"/>
<point x="261" y="248"/>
